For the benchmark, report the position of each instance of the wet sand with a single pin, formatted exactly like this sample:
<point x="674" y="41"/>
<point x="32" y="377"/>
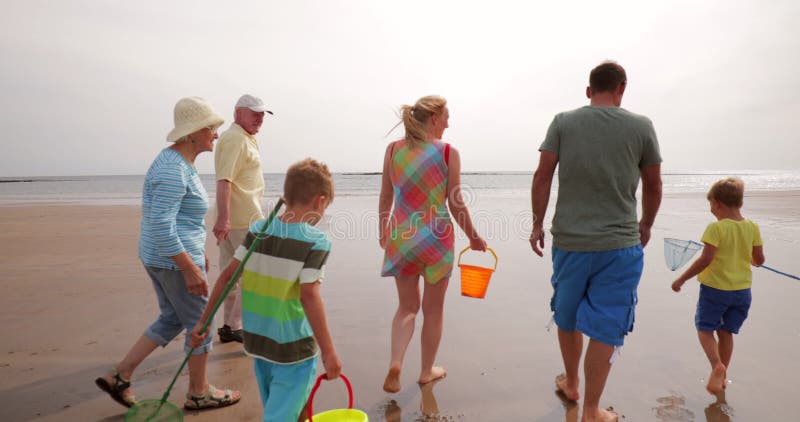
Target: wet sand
<point x="76" y="297"/>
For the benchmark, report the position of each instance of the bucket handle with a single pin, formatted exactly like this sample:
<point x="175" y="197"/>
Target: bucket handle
<point x="309" y="410"/>
<point x="487" y="248"/>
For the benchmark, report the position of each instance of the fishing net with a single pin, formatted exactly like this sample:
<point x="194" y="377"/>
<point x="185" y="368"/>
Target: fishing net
<point x="678" y="252"/>
<point x="154" y="410"/>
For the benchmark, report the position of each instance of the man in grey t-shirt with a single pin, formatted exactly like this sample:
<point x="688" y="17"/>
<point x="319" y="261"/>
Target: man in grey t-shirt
<point x="601" y="151"/>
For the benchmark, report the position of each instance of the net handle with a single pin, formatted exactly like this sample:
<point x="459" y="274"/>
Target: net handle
<point x="487" y="248"/>
<point x="779" y="272"/>
<point x="310" y="411"/>
<point x="228" y="287"/>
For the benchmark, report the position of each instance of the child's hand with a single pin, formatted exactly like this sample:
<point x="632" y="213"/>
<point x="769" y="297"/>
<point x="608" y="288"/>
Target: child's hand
<point x="332" y="364"/>
<point x="196" y="337"/>
<point x="676" y="285"/>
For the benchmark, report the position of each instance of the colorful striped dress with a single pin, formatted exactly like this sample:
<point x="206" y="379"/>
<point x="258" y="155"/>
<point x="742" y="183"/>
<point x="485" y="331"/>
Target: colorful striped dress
<point x="421" y="234"/>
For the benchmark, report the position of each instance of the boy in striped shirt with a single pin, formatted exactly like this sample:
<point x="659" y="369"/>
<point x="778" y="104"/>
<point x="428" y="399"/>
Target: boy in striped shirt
<point x="283" y="316"/>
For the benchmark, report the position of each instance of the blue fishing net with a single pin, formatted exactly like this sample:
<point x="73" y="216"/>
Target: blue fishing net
<point x="678" y="252"/>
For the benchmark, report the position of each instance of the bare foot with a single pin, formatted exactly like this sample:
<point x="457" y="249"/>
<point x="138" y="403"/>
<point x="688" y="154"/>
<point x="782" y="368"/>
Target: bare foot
<point x="435" y="373"/>
<point x="716" y="381"/>
<point x="392" y="382"/>
<point x="570" y="392"/>
<point x="601" y="415"/>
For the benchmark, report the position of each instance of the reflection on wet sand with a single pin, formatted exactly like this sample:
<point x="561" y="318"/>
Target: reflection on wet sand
<point x="392" y="412"/>
<point x="571" y="408"/>
<point x="428" y="407"/>
<point x="719" y="411"/>
<point x="672" y="408"/>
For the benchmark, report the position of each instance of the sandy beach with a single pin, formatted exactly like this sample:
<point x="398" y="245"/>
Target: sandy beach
<point x="76" y="297"/>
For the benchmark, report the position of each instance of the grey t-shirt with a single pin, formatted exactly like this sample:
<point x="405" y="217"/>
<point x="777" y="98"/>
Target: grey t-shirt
<point x="600" y="151"/>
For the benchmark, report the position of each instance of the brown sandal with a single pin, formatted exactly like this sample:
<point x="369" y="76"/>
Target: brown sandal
<point x="209" y="401"/>
<point x="116" y="389"/>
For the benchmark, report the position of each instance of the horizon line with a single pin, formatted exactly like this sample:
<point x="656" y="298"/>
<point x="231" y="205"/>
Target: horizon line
<point x="748" y="172"/>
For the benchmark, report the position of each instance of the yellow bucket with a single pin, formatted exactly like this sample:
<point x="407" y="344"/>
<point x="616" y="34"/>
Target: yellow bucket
<point x="474" y="279"/>
<point x="336" y="415"/>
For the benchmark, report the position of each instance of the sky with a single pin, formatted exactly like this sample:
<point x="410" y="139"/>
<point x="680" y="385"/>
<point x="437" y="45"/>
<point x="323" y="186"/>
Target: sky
<point x="88" y="87"/>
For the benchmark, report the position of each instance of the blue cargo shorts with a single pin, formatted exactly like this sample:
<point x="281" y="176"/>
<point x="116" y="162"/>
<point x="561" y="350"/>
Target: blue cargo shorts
<point x="595" y="292"/>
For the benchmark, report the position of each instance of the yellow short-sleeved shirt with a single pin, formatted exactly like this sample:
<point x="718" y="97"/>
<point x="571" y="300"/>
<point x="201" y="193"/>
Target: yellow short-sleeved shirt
<point x="238" y="161"/>
<point x="734" y="240"/>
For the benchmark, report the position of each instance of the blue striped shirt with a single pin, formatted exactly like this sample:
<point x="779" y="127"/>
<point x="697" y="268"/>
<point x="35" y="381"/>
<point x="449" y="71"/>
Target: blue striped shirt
<point x="174" y="206"/>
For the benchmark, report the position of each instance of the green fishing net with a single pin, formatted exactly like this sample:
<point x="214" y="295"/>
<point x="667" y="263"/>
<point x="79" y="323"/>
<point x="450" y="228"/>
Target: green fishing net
<point x="154" y="410"/>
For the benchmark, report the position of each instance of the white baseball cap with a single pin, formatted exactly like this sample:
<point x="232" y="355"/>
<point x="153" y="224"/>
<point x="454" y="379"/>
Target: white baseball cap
<point x="253" y="103"/>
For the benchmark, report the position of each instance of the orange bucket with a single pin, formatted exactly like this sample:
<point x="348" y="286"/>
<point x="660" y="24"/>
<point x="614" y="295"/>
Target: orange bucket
<point x="474" y="279"/>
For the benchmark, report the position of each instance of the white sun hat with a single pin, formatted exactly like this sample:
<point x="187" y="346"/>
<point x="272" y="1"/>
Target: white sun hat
<point x="191" y="115"/>
<point x="253" y="103"/>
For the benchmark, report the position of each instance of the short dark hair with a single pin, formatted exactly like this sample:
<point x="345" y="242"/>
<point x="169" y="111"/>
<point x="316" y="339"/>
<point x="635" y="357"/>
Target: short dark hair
<point x="606" y="77"/>
<point x="729" y="192"/>
<point x="305" y="180"/>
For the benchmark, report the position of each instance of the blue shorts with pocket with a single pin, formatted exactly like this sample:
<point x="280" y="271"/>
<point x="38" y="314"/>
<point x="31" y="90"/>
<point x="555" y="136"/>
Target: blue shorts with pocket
<point x="284" y="388"/>
<point x="722" y="309"/>
<point x="180" y="310"/>
<point x="595" y="292"/>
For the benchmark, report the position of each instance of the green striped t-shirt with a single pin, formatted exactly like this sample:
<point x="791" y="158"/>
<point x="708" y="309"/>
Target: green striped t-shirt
<point x="275" y="325"/>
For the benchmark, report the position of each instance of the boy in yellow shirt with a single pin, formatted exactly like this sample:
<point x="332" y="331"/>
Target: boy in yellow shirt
<point x="732" y="244"/>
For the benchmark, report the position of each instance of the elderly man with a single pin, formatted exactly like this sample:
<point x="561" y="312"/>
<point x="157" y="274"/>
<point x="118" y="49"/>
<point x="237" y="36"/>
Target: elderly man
<point x="240" y="187"/>
<point x="601" y="150"/>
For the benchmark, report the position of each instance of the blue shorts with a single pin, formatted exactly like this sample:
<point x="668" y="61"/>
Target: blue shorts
<point x="721" y="309"/>
<point x="180" y="310"/>
<point x="284" y="388"/>
<point x="595" y="292"/>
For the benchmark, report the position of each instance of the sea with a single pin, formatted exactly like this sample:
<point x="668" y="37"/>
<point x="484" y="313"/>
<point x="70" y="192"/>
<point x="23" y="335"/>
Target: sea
<point x="126" y="190"/>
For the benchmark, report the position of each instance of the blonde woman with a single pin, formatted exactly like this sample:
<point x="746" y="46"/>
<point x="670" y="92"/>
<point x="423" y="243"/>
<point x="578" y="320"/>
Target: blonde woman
<point x="421" y="178"/>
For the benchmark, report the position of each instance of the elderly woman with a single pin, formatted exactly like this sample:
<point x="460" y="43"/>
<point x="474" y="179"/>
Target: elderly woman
<point x="421" y="177"/>
<point x="171" y="247"/>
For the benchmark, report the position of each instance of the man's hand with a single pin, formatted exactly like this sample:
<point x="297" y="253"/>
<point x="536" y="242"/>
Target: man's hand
<point x="644" y="234"/>
<point x="676" y="285"/>
<point x="537" y="239"/>
<point x="222" y="228"/>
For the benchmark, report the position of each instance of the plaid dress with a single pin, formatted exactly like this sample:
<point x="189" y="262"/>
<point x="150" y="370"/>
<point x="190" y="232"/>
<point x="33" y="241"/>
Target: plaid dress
<point x="421" y="234"/>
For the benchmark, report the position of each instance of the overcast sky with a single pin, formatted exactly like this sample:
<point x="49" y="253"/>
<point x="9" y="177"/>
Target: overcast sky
<point x="88" y="87"/>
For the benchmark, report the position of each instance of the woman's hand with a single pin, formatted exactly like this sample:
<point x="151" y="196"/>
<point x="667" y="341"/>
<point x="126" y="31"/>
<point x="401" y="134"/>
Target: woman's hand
<point x="196" y="282"/>
<point x="477" y="244"/>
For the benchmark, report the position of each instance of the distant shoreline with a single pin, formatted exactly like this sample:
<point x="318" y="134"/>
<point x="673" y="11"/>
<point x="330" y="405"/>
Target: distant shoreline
<point x="73" y="178"/>
<point x="38" y="179"/>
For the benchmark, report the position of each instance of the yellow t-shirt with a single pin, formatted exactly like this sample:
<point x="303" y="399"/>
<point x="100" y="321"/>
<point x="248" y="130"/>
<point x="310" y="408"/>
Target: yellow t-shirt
<point x="734" y="240"/>
<point x="238" y="161"/>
